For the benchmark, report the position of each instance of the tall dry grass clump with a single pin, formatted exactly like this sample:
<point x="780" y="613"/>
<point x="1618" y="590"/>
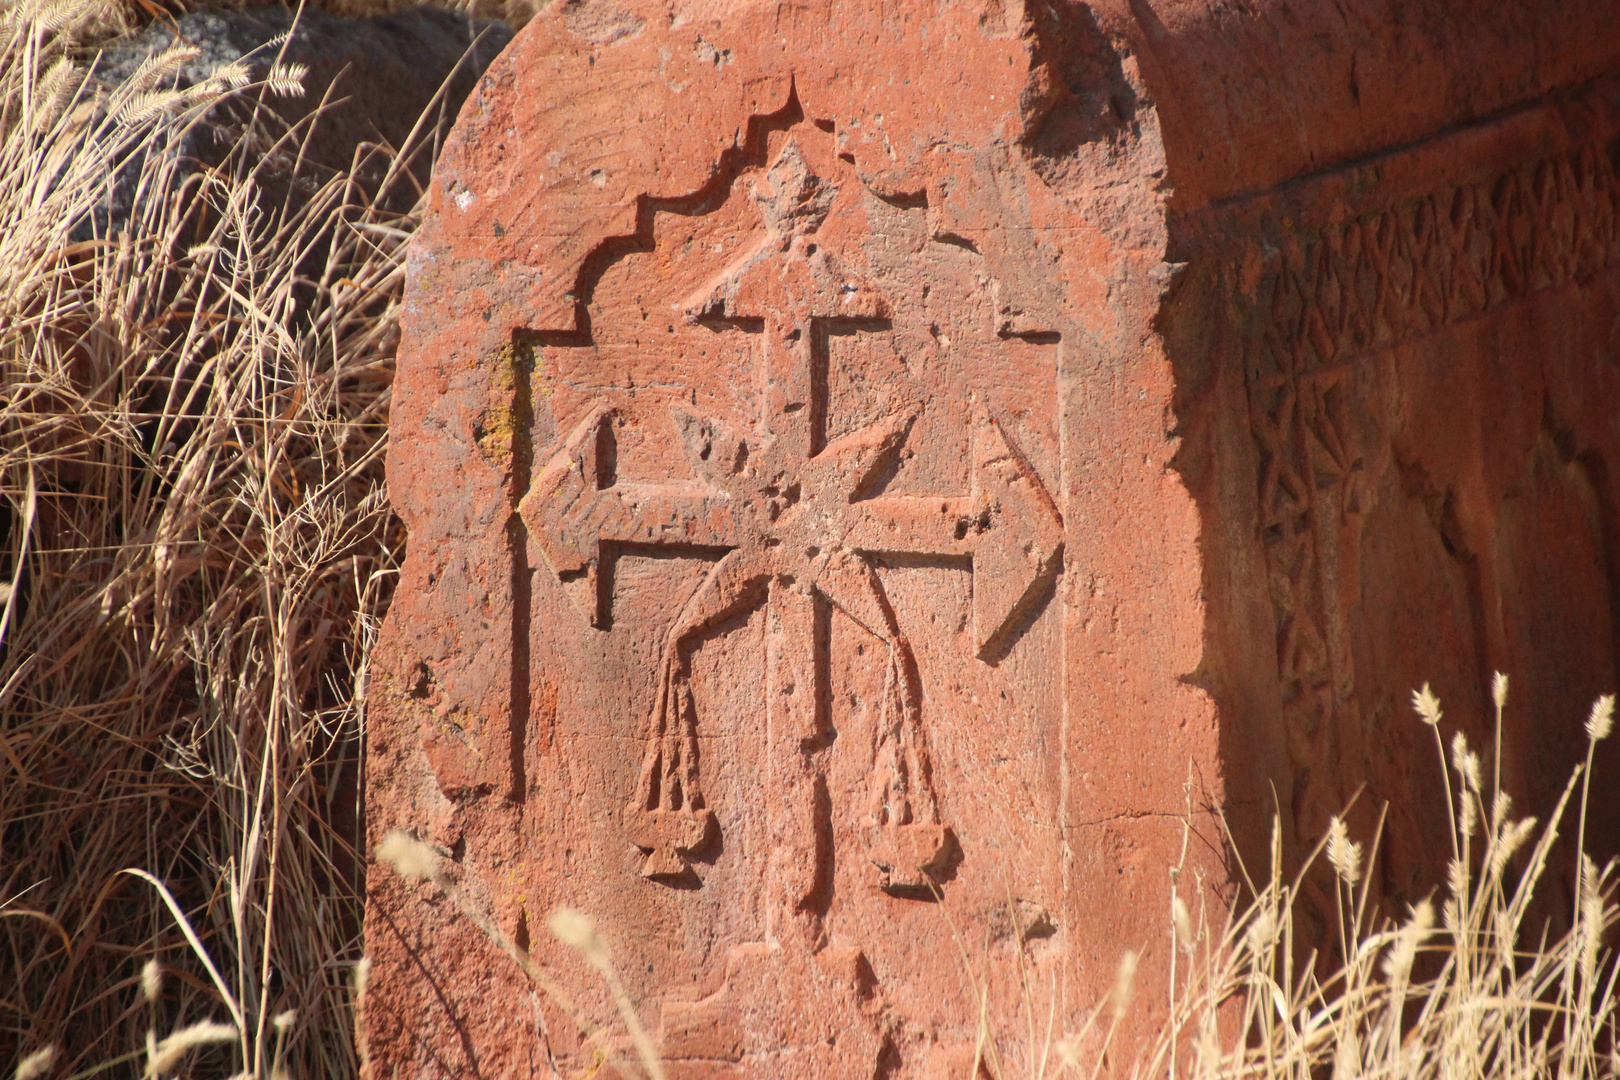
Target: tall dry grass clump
<point x="1474" y="982"/>
<point x="195" y="550"/>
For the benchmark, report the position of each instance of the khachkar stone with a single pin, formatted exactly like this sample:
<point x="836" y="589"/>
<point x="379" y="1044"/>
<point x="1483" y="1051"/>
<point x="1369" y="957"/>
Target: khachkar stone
<point x="880" y="480"/>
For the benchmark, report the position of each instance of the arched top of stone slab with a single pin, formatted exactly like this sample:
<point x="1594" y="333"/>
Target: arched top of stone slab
<point x="640" y="100"/>
<point x="642" y="105"/>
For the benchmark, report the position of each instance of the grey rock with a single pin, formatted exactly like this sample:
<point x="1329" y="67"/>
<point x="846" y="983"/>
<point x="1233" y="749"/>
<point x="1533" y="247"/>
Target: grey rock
<point x="376" y="76"/>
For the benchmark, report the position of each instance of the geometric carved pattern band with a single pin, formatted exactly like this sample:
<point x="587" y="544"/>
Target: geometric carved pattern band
<point x="1336" y="292"/>
<point x="1438" y="259"/>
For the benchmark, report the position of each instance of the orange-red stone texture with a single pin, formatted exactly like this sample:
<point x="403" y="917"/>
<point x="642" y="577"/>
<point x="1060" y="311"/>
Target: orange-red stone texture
<point x="874" y="472"/>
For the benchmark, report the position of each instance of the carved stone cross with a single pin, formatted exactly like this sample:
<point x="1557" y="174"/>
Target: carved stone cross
<point x="794" y="521"/>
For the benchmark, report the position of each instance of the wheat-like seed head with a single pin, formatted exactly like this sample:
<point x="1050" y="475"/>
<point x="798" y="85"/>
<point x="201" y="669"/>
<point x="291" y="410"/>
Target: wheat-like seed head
<point x="1347" y="1055"/>
<point x="287" y="80"/>
<point x="1468" y="815"/>
<point x="56" y="88"/>
<point x="1427" y="705"/>
<point x="357" y="1003"/>
<point x="202" y="93"/>
<point x="1501" y="808"/>
<point x="1181" y="919"/>
<point x="1344" y="855"/>
<point x="1261" y="937"/>
<point x="1397" y="964"/>
<point x="56" y="16"/>
<point x="362" y="977"/>
<point x="172" y="1050"/>
<point x="157" y="67"/>
<point x="144" y="107"/>
<point x="37" y="1064"/>
<point x="409" y="857"/>
<point x="1600" y="720"/>
<point x="1208" y="1046"/>
<point x="1508" y="843"/>
<point x="1124" y="984"/>
<point x="232" y="76"/>
<point x="1457" y="886"/>
<point x="575" y="929"/>
<point x="151" y="982"/>
<point x="1592" y="917"/>
<point x="1466" y="762"/>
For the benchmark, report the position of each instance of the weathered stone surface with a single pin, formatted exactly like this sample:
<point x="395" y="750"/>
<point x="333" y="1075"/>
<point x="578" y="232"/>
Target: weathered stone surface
<point x="871" y="471"/>
<point x="1401" y="418"/>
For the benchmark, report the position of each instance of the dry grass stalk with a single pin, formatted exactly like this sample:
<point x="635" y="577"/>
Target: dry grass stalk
<point x="195" y="550"/>
<point x="1484" y="994"/>
<point x="1470" y="985"/>
<point x="415" y="860"/>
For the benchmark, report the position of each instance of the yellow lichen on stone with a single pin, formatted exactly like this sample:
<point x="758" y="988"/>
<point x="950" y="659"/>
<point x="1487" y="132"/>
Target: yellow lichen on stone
<point x="501" y="430"/>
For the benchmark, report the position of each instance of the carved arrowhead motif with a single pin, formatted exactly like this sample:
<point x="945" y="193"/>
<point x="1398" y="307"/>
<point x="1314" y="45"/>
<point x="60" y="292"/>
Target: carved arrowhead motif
<point x="572" y="509"/>
<point x="1008" y="523"/>
<point x="1019" y="537"/>
<point x="562" y="492"/>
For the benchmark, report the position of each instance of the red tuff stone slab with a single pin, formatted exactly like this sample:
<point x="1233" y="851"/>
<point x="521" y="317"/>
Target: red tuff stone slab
<point x="881" y="478"/>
